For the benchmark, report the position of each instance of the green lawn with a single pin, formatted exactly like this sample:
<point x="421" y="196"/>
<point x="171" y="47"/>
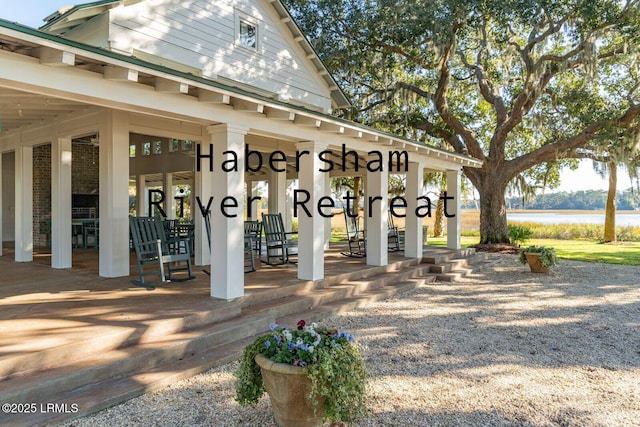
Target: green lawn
<point x="577" y="250"/>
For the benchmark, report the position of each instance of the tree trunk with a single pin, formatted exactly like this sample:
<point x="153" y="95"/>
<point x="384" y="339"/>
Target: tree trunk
<point x="438" y="222"/>
<point x="610" y="212"/>
<point x="493" y="212"/>
<point x="356" y="192"/>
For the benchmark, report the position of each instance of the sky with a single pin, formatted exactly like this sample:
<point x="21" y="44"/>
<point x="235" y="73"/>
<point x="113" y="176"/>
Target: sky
<point x="31" y="12"/>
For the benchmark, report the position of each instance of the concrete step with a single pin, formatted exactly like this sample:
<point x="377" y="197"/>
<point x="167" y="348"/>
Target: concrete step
<point x="459" y="268"/>
<point x="441" y="257"/>
<point x="458" y="263"/>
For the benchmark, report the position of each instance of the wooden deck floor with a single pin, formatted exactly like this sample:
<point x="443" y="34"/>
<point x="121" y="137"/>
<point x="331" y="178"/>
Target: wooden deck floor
<point x="42" y="308"/>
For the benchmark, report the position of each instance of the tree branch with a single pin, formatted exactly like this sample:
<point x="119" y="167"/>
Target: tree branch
<point x="568" y="146"/>
<point x="440" y="101"/>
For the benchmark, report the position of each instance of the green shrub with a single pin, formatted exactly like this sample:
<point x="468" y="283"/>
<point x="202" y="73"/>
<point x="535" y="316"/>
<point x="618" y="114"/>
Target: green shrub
<point x="519" y="234"/>
<point x="578" y="231"/>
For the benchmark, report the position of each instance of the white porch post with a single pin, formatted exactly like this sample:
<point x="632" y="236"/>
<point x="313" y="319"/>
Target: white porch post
<point x="24" y="204"/>
<point x="327" y="221"/>
<point x="1" y="206"/>
<point x="202" y="191"/>
<point x="311" y="229"/>
<point x="452" y="207"/>
<point x="377" y="221"/>
<point x="169" y="201"/>
<point x="114" y="195"/>
<point x="413" y="224"/>
<point x="227" y="224"/>
<point x="141" y="195"/>
<point x="61" y="203"/>
<point x="287" y="216"/>
<point x="252" y="188"/>
<point x="277" y="192"/>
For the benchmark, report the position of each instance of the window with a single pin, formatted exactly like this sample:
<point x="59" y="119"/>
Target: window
<point x="146" y="149"/>
<point x="248" y="34"/>
<point x="187" y="145"/>
<point x="132" y="150"/>
<point x="157" y="147"/>
<point x="174" y="145"/>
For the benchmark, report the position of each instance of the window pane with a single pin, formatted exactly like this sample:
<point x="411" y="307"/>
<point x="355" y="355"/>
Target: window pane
<point x="157" y="147"/>
<point x="132" y="150"/>
<point x="248" y="34"/>
<point x="187" y="145"/>
<point x="146" y="149"/>
<point x="174" y="145"/>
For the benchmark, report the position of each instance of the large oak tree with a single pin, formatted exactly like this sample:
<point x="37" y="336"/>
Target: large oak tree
<point x="522" y="85"/>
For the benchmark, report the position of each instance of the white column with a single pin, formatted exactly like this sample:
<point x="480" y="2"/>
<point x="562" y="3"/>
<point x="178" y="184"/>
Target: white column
<point x="252" y="188"/>
<point x="452" y="207"/>
<point x="169" y="204"/>
<point x="413" y="224"/>
<point x="287" y="215"/>
<point x="376" y="219"/>
<point x="61" y="203"/>
<point x="327" y="221"/>
<point x="114" y="195"/>
<point x="277" y="192"/>
<point x="202" y="192"/>
<point x="141" y="195"/>
<point x="365" y="207"/>
<point x="311" y="228"/>
<point x="24" y="204"/>
<point x="1" y="206"/>
<point x="227" y="231"/>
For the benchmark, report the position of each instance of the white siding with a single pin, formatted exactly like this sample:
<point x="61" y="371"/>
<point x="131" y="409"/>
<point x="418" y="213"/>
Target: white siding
<point x="201" y="34"/>
<point x="94" y="32"/>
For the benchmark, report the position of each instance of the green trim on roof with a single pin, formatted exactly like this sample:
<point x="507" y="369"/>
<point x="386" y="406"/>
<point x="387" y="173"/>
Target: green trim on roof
<point x="204" y="81"/>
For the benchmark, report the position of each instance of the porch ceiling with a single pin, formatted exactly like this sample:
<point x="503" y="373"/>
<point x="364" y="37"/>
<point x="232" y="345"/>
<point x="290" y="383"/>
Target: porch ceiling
<point x="21" y="109"/>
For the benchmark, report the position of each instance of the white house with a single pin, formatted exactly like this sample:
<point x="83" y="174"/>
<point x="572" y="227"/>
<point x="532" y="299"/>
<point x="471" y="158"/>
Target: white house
<point x="136" y="88"/>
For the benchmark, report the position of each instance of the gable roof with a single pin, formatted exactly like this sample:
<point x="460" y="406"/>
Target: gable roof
<point x="68" y="18"/>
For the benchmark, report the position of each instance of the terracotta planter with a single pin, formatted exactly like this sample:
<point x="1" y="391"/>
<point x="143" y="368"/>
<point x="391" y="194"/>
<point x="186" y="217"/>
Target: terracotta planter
<point x="533" y="259"/>
<point x="288" y="388"/>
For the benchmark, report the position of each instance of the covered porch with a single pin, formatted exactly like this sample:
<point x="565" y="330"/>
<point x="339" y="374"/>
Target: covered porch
<point x="55" y="92"/>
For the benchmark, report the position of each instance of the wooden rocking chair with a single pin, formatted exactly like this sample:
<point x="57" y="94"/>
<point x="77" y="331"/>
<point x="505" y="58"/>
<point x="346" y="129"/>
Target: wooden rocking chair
<point x="279" y="243"/>
<point x="395" y="236"/>
<point x="357" y="238"/>
<point x="153" y="247"/>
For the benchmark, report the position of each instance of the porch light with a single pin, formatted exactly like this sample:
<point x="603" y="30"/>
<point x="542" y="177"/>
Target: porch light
<point x="65" y="157"/>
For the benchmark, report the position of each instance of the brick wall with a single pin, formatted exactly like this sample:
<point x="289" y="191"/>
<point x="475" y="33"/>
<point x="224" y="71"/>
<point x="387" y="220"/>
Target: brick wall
<point x="42" y="195"/>
<point x="84" y="180"/>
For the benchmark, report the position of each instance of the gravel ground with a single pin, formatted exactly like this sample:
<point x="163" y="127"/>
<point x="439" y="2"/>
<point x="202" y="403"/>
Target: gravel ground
<point x="501" y="347"/>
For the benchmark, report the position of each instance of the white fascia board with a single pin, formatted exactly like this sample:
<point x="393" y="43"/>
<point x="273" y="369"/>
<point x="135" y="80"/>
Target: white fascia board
<point x="26" y="73"/>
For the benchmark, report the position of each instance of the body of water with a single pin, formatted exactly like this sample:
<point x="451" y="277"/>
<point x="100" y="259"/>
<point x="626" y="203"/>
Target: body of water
<point x="622" y="219"/>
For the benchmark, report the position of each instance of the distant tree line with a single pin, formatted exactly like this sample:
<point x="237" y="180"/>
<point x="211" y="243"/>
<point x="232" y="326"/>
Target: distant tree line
<point x="578" y="200"/>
